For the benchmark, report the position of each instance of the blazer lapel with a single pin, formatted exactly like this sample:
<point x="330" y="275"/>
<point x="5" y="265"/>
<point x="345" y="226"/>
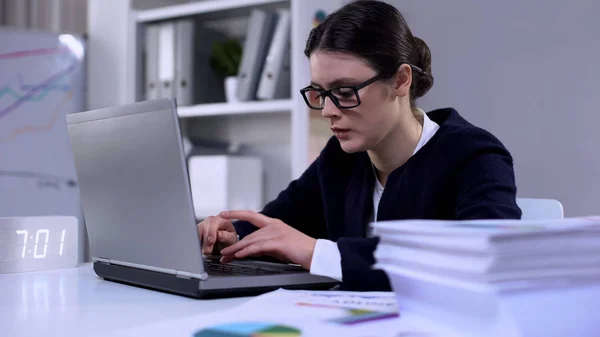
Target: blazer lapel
<point x="359" y="201"/>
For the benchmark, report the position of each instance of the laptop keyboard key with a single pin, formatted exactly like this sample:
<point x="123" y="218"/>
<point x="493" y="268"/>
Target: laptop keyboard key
<point x="221" y="269"/>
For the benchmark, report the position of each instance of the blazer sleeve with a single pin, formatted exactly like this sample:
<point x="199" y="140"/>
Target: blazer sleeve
<point x="485" y="184"/>
<point x="357" y="261"/>
<point x="299" y="205"/>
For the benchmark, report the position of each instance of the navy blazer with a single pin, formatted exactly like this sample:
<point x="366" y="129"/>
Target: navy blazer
<point x="462" y="172"/>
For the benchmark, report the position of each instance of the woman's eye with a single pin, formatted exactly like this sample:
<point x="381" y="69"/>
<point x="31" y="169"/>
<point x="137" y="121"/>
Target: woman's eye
<point x="343" y="93"/>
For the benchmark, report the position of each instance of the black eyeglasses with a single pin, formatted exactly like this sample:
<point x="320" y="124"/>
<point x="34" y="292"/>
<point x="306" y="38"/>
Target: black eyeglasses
<point x="344" y="97"/>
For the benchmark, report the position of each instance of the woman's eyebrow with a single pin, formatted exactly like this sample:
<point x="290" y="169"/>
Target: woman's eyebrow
<point x="337" y="82"/>
<point x="315" y="84"/>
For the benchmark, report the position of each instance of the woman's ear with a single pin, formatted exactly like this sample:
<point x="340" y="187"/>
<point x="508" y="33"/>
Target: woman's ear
<point x="403" y="80"/>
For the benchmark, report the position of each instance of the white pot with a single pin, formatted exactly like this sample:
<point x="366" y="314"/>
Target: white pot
<point x="231" y="84"/>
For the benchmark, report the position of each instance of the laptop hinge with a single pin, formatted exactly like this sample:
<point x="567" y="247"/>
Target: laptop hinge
<point x="188" y="275"/>
<point x="102" y="259"/>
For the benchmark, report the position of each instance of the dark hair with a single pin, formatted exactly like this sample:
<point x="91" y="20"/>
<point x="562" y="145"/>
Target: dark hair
<point x="376" y="32"/>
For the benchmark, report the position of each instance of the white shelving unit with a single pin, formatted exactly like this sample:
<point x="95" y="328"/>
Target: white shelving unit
<point x="277" y="131"/>
<point x="225" y="109"/>
<point x="214" y="8"/>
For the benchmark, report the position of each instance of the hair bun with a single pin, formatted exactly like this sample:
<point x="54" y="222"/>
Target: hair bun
<point x="423" y="82"/>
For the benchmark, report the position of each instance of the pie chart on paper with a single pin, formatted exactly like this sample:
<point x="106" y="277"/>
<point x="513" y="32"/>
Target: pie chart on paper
<point x="249" y="329"/>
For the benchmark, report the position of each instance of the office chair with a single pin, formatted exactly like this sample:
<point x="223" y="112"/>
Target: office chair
<point x="540" y="209"/>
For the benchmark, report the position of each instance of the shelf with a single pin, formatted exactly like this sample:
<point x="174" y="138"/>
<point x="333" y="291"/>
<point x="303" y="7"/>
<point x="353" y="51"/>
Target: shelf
<point x="238" y="108"/>
<point x="213" y="9"/>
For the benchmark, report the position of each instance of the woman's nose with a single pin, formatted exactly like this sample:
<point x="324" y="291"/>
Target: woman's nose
<point x="329" y="109"/>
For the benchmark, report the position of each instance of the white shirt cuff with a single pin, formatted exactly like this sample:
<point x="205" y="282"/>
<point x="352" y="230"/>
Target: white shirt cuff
<point x="326" y="260"/>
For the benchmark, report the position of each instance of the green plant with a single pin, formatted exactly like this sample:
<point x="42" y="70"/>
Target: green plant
<point x="226" y="57"/>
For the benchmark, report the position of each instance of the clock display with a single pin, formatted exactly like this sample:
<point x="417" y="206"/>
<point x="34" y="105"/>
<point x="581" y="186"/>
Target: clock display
<point x="38" y="243"/>
<point x="40" y="247"/>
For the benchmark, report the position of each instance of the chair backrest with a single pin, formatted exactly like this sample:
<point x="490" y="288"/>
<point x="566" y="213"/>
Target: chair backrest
<point x="540" y="209"/>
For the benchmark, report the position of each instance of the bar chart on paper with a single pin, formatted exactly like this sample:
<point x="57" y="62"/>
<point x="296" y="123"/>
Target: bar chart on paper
<point x="249" y="329"/>
<point x="41" y="80"/>
<point x="356" y="308"/>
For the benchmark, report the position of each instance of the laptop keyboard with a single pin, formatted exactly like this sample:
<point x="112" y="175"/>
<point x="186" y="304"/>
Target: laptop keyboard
<point x="216" y="268"/>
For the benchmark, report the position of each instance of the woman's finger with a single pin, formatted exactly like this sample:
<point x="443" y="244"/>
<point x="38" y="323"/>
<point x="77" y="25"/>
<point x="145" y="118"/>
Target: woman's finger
<point x="257" y="219"/>
<point x="257" y="248"/>
<point x="210" y="235"/>
<point x="227" y="238"/>
<point x="200" y="228"/>
<point x="226" y="258"/>
<point x="248" y="240"/>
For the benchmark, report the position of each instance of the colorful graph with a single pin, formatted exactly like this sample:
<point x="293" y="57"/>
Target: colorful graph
<point x="28" y="128"/>
<point x="354" y="316"/>
<point x="249" y="329"/>
<point x="33" y="52"/>
<point x="35" y="90"/>
<point x="23" y="92"/>
<point x="19" y="91"/>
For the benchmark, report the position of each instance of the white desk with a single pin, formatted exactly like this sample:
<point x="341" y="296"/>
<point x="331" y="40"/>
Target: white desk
<point x="71" y="302"/>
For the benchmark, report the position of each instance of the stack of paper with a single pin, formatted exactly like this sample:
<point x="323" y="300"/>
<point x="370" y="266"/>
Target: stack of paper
<point x="495" y="252"/>
<point x="476" y="275"/>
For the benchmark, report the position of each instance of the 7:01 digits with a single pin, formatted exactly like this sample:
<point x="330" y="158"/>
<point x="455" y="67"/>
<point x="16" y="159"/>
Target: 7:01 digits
<point x="38" y="234"/>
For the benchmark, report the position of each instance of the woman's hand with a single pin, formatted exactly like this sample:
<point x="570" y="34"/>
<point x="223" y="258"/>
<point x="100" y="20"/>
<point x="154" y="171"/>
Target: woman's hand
<point x="216" y="231"/>
<point x="273" y="237"/>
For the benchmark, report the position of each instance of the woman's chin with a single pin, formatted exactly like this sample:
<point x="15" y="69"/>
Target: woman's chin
<point x="351" y="145"/>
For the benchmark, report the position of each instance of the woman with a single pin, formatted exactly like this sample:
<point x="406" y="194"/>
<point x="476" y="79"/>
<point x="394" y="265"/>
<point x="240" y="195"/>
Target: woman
<point x="387" y="160"/>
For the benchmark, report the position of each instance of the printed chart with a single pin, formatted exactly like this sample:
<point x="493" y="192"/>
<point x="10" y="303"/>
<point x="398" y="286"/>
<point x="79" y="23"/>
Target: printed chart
<point x="357" y="308"/>
<point x="249" y="329"/>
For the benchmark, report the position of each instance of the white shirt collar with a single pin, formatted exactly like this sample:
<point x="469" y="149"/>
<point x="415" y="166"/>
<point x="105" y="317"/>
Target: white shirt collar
<point x="429" y="129"/>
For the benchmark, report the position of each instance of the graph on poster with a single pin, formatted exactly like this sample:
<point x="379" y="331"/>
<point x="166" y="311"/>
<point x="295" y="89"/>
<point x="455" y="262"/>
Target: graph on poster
<point x="41" y="80"/>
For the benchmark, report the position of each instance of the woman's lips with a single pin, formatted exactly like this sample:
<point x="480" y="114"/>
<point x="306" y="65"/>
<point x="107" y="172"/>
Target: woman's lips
<point x="340" y="133"/>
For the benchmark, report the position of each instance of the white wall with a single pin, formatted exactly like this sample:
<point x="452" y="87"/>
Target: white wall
<point x="529" y="72"/>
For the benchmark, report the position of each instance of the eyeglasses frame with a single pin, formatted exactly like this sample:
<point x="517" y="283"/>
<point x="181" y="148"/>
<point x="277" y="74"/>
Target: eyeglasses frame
<point x="355" y="89"/>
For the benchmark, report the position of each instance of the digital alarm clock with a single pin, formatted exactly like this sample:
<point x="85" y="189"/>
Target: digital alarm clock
<point x="38" y="243"/>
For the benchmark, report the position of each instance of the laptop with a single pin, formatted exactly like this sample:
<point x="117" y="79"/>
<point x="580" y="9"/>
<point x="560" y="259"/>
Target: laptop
<point x="138" y="209"/>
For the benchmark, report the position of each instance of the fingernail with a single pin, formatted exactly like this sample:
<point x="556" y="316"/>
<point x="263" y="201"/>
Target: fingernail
<point x="209" y="239"/>
<point x="224" y="213"/>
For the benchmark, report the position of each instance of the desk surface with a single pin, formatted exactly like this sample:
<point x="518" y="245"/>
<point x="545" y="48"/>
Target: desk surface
<point x="70" y="302"/>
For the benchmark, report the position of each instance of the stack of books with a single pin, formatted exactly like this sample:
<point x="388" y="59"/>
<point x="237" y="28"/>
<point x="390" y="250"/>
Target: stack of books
<point x="496" y="277"/>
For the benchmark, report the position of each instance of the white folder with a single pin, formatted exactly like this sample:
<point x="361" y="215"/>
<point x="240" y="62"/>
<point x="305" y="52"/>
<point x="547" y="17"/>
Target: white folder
<point x="166" y="60"/>
<point x="258" y="37"/>
<point x="151" y="79"/>
<point x="184" y="62"/>
<point x="275" y="79"/>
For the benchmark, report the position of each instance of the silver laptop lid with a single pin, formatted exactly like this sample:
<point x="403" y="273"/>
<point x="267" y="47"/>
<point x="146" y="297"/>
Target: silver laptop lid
<point x="134" y="187"/>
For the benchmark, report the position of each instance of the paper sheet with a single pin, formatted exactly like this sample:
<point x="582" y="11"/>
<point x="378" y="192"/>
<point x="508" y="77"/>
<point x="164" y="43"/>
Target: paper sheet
<point x="346" y="308"/>
<point x="285" y="313"/>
